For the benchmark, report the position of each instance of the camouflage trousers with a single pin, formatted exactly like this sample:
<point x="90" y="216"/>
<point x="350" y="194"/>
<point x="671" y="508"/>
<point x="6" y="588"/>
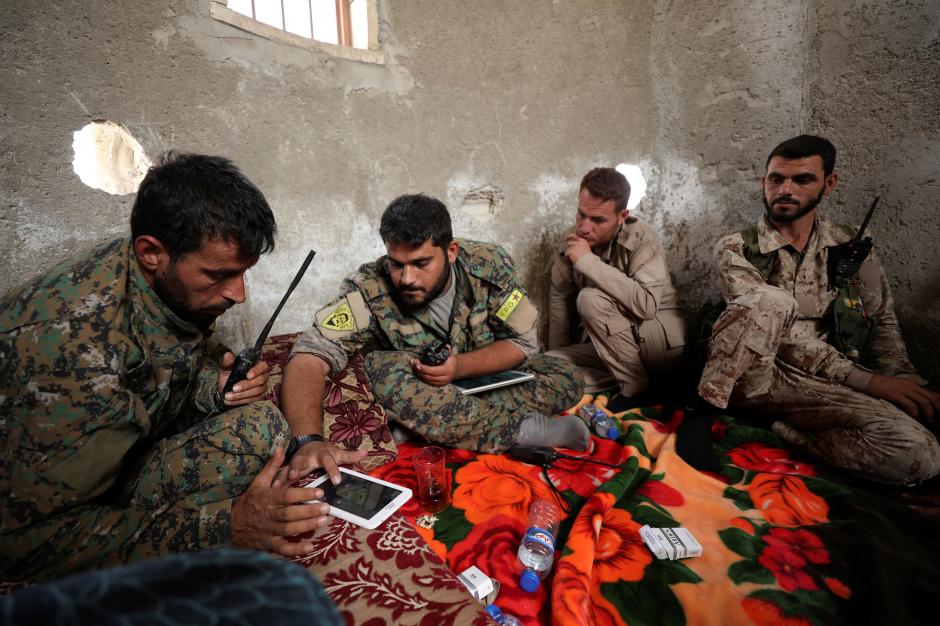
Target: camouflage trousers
<point x="485" y="422"/>
<point x="848" y="429"/>
<point x="176" y="497"/>
<point x="617" y="350"/>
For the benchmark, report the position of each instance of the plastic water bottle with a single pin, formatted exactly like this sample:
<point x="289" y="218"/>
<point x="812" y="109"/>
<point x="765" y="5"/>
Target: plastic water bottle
<point x="600" y="422"/>
<point x="503" y="619"/>
<point x="537" y="551"/>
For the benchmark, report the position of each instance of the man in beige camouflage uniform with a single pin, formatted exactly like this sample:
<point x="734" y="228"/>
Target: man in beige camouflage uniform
<point x="772" y="349"/>
<point x="117" y="444"/>
<point x="613" y="310"/>
<point x="430" y="287"/>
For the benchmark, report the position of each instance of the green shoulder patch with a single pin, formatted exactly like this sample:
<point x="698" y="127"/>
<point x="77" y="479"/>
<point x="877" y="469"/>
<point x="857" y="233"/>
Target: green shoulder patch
<point x="340" y="319"/>
<point x="509" y="304"/>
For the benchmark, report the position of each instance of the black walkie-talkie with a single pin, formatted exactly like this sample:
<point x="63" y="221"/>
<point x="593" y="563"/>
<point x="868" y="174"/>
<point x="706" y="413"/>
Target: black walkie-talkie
<point x="845" y="260"/>
<point x="247" y="357"/>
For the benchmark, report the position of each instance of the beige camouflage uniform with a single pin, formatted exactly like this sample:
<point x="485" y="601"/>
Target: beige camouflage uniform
<point x="491" y="305"/>
<point x="769" y="354"/>
<point x="108" y="451"/>
<point x="617" y="316"/>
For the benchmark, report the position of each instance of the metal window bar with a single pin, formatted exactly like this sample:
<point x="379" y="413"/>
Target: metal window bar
<point x="343" y="20"/>
<point x="343" y="26"/>
<point x="310" y="13"/>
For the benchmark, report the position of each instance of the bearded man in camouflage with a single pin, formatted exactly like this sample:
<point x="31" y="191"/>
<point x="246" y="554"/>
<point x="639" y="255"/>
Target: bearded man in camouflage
<point x="431" y="287"/>
<point x="117" y="444"/>
<point x="840" y="386"/>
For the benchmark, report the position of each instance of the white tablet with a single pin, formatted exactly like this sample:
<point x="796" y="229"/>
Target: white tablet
<point x="468" y="386"/>
<point x="361" y="499"/>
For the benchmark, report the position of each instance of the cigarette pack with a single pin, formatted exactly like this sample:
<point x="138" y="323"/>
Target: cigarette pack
<point x="671" y="543"/>
<point x="654" y="541"/>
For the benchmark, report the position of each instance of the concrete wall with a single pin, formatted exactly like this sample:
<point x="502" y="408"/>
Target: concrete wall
<point x="524" y="96"/>
<point x="873" y="85"/>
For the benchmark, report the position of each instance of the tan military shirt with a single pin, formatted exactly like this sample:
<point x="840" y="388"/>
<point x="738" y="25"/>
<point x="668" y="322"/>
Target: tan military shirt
<point x="803" y="277"/>
<point x="632" y="270"/>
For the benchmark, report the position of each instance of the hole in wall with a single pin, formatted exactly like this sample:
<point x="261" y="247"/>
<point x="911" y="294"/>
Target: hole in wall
<point x="482" y="202"/>
<point x="637" y="183"/>
<point x="107" y="157"/>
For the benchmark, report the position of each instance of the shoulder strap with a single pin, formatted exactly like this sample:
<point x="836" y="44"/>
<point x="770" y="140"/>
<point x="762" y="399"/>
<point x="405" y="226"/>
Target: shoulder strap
<point x="763" y="262"/>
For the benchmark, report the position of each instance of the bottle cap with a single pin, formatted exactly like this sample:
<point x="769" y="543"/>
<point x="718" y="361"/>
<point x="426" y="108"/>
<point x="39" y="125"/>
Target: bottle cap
<point x="529" y="581"/>
<point x="613" y="432"/>
<point x="494" y="612"/>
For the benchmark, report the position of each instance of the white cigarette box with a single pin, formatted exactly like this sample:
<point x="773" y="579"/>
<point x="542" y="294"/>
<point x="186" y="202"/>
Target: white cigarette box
<point x="654" y="541"/>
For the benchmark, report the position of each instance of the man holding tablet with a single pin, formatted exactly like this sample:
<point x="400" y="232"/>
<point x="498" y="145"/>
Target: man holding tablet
<point x="431" y="290"/>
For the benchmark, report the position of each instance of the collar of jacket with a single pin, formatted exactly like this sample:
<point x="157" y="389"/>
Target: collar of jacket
<point x="149" y="303"/>
<point x="828" y="234"/>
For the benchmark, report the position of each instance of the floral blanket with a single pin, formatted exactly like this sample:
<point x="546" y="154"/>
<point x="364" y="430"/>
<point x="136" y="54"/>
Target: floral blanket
<point x="784" y="541"/>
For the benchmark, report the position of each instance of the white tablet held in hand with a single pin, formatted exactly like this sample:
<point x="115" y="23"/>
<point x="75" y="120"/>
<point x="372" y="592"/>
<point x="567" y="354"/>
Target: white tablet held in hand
<point x="361" y="499"/>
<point x="469" y="386"/>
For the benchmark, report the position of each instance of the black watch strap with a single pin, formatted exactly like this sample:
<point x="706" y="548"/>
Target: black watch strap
<point x="296" y="443"/>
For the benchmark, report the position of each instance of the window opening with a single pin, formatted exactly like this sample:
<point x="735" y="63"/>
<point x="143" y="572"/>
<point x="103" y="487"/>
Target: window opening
<point x="637" y="183"/>
<point x="337" y="22"/>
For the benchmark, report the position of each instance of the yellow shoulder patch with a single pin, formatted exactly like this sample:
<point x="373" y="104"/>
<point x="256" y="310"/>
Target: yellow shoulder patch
<point x="340" y="319"/>
<point x="509" y="304"/>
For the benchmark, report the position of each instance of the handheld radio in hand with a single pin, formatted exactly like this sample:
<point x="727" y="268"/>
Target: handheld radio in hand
<point x="247" y="357"/>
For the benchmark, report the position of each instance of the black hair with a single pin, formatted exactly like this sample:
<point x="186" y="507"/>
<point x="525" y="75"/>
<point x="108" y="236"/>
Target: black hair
<point x="188" y="198"/>
<point x="803" y="146"/>
<point x="606" y="183"/>
<point x="413" y="219"/>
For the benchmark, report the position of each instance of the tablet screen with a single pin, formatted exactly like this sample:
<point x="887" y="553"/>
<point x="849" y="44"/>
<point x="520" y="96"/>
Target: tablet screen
<point x="491" y="381"/>
<point x="358" y="496"/>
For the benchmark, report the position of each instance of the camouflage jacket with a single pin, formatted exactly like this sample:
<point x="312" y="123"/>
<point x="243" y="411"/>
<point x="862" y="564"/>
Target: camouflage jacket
<point x="803" y="277"/>
<point x="632" y="271"/>
<point x="93" y="368"/>
<point x="491" y="304"/>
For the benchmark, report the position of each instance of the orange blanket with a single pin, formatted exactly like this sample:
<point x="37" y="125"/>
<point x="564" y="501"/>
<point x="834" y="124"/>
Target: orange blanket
<point x="784" y="541"/>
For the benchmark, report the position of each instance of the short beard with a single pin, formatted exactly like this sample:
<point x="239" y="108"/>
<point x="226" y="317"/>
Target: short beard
<point x="787" y="219"/>
<point x="409" y="307"/>
<point x="172" y="293"/>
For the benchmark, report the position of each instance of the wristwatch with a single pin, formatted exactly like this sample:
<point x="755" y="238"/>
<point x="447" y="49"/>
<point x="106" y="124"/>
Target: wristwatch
<point x="297" y="442"/>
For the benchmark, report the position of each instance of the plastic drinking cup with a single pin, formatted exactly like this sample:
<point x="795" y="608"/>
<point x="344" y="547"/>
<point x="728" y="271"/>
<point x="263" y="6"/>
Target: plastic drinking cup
<point x="433" y="487"/>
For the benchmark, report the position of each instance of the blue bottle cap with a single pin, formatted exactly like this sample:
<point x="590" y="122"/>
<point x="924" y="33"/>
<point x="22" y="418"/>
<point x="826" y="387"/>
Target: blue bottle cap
<point x="494" y="612"/>
<point x="529" y="581"/>
<point x="613" y="432"/>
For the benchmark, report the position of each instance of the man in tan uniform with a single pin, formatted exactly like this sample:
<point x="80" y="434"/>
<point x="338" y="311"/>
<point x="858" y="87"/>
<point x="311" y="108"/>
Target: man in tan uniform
<point x="612" y="308"/>
<point x="773" y="350"/>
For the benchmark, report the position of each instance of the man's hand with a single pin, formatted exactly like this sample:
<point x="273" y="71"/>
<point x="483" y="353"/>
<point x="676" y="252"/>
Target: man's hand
<point x="253" y="388"/>
<point x="267" y="514"/>
<point x="918" y="402"/>
<point x="576" y="247"/>
<point x="437" y="375"/>
<point x="316" y="455"/>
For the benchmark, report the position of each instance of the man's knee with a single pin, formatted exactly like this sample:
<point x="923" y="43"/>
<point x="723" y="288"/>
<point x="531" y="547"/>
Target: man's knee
<point x="596" y="307"/>
<point x="563" y="378"/>
<point x="889" y="445"/>
<point x="916" y="458"/>
<point x="763" y="303"/>
<point x="260" y="425"/>
<point x="387" y="371"/>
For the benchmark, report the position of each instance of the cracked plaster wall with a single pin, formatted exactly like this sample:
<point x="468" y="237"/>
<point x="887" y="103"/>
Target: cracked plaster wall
<point x="523" y="96"/>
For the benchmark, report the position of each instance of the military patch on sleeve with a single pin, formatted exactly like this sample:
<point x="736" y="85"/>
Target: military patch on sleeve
<point x="340" y="319"/>
<point x="509" y="304"/>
